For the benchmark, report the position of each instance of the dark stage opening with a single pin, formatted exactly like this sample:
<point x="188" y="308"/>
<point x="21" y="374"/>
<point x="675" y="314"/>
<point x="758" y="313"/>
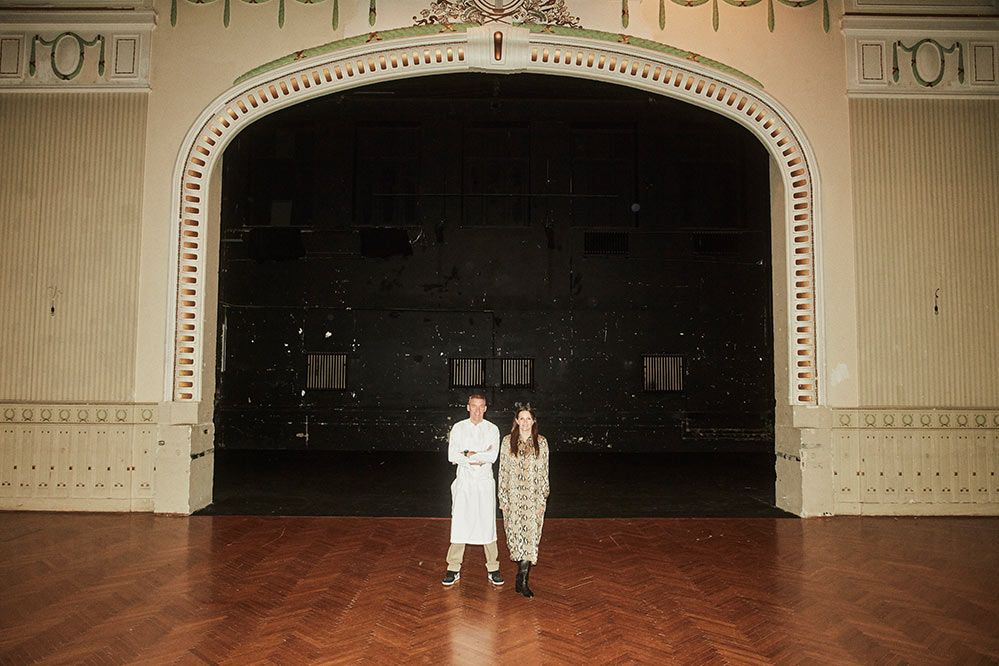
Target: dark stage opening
<point x="595" y="250"/>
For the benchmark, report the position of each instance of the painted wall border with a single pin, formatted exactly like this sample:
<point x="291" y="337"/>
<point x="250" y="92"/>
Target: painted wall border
<point x="78" y="51"/>
<point x="892" y="56"/>
<point x="497" y="48"/>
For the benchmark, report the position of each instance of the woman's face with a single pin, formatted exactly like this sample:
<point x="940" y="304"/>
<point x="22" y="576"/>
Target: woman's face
<point x="525" y="420"/>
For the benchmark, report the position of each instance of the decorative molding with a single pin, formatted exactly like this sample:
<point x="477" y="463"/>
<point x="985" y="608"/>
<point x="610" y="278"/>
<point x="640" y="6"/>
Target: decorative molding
<point x="78" y="457"/>
<point x="73" y="60"/>
<point x="611" y="38"/>
<point x="924" y="7"/>
<point x="915" y="419"/>
<point x="428" y="50"/>
<point x="480" y="12"/>
<point x="715" y="14"/>
<point x="79" y="414"/>
<point x="227" y="10"/>
<point x="84" y="50"/>
<point x="915" y="461"/>
<point x="903" y="57"/>
<point x="78" y="4"/>
<point x="12" y="57"/>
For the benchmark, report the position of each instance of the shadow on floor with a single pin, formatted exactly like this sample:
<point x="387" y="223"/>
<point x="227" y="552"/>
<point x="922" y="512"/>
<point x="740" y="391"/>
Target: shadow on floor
<point x="583" y="485"/>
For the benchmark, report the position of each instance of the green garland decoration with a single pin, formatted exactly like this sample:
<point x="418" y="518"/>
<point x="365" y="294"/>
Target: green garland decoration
<point x="81" y="56"/>
<point x="715" y="19"/>
<point x="625" y="10"/>
<point x="227" y="10"/>
<point x="420" y="30"/>
<point x="941" y="49"/>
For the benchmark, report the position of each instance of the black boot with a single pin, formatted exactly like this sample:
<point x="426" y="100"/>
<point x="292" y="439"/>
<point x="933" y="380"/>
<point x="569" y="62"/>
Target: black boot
<point x="522" y="568"/>
<point x="526" y="591"/>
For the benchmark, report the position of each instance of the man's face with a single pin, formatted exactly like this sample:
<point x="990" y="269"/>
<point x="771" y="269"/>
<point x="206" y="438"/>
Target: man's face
<point x="476" y="409"/>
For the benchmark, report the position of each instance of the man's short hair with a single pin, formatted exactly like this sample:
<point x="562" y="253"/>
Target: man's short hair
<point x="478" y="396"/>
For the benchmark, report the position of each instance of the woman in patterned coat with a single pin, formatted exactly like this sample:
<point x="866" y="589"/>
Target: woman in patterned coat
<point x="523" y="491"/>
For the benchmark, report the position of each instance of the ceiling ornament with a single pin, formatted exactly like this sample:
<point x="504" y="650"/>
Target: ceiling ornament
<point x="542" y="12"/>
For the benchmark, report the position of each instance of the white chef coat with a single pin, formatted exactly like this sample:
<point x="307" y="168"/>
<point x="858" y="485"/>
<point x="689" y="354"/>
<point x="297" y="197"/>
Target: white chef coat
<point x="473" y="492"/>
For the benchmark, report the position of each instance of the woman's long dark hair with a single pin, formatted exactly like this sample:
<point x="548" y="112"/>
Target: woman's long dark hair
<point x="515" y="431"/>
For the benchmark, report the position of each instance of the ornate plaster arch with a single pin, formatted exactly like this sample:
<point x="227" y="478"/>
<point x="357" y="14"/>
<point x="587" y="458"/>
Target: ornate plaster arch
<point x="495" y="47"/>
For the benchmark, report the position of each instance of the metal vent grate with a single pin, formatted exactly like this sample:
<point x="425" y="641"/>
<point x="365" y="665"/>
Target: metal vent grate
<point x="467" y="372"/>
<point x="517" y="372"/>
<point x="605" y="242"/>
<point x="662" y="372"/>
<point x="717" y="244"/>
<point x="327" y="372"/>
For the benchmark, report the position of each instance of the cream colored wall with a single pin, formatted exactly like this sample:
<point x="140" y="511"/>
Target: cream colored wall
<point x="926" y="440"/>
<point x="70" y="224"/>
<point x="927" y="210"/>
<point x="799" y="64"/>
<point x="824" y="454"/>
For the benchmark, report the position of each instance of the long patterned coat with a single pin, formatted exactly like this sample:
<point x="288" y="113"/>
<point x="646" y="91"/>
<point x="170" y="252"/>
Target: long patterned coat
<point x="523" y="493"/>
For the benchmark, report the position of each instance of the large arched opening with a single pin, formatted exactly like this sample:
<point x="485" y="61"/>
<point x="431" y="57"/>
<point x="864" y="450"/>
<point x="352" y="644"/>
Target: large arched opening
<point x="515" y="50"/>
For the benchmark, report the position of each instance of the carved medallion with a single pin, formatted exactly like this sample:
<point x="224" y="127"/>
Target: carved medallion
<point x="546" y="12"/>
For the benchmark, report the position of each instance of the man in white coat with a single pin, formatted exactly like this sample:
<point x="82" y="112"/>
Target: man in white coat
<point x="473" y="447"/>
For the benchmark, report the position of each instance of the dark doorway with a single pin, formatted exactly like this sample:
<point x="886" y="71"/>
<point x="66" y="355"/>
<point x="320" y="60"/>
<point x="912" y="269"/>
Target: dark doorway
<point x="592" y="249"/>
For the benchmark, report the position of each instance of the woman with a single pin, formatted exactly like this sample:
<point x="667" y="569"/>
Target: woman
<point x="523" y="491"/>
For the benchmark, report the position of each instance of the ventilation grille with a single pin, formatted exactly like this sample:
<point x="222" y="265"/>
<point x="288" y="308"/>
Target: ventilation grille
<point x="467" y="372"/>
<point x="717" y="244"/>
<point x="517" y="372"/>
<point x="662" y="372"/>
<point x="327" y="372"/>
<point x="605" y="242"/>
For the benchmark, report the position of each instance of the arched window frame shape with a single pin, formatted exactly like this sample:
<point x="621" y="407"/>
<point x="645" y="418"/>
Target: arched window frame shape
<point x="494" y="48"/>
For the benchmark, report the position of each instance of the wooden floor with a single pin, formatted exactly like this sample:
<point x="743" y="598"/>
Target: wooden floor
<point x="107" y="589"/>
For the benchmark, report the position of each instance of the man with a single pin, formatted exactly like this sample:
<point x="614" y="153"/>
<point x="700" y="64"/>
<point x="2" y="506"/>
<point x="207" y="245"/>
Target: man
<point x="473" y="446"/>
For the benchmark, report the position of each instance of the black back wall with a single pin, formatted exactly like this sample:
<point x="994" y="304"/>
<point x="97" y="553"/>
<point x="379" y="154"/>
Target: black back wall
<point x="412" y="229"/>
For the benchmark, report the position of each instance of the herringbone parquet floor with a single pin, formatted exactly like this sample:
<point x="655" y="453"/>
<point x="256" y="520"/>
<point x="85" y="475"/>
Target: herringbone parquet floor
<point x="107" y="589"/>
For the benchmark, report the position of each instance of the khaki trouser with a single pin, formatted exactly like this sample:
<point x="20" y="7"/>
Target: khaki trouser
<point x="457" y="551"/>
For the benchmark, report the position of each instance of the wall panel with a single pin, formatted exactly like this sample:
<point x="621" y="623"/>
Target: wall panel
<point x="77" y="457"/>
<point x="69" y="243"/>
<point x="926" y="209"/>
<point x="915" y="462"/>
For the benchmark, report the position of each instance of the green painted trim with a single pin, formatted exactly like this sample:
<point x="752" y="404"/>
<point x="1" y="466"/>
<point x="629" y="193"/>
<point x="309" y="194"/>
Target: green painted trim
<point x="348" y="42"/>
<point x="535" y="28"/>
<point x="640" y="42"/>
